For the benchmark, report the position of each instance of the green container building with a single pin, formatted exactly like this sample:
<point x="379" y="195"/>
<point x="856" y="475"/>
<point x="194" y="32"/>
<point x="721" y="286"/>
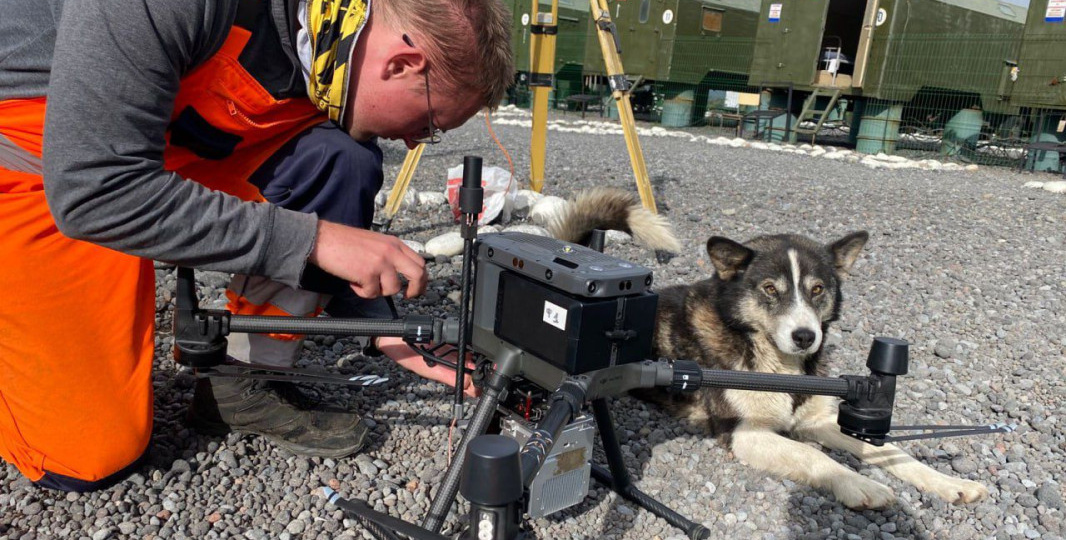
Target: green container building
<point x="573" y="32"/>
<point x="687" y="42"/>
<point x="1041" y="75"/>
<point x="894" y="50"/>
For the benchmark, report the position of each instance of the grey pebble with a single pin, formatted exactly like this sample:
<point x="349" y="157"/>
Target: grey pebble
<point x="1051" y="495"/>
<point x="945" y="348"/>
<point x="964" y="465"/>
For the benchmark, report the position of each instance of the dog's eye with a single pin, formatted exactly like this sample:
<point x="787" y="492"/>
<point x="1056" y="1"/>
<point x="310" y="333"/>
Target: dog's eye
<point x="817" y="290"/>
<point x="770" y="289"/>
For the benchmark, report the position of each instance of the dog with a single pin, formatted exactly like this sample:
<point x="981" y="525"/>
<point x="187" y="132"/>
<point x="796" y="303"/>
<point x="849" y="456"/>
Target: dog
<point x="766" y="309"/>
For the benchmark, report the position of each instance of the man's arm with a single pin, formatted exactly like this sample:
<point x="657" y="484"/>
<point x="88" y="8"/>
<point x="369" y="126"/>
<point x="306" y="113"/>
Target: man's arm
<point x="115" y="74"/>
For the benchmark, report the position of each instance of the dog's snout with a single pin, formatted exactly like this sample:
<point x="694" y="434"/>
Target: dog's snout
<point x="803" y="337"/>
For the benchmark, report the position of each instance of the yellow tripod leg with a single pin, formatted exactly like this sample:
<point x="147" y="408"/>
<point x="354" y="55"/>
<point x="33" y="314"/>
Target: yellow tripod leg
<point x="399" y="189"/>
<point x="607" y="34"/>
<point x="541" y="79"/>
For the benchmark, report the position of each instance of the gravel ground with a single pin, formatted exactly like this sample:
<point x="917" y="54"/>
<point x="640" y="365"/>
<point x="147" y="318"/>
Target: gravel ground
<point x="967" y="266"/>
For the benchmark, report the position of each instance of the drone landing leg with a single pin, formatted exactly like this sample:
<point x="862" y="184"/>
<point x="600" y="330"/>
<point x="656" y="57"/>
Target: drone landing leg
<point x="618" y="477"/>
<point x="495" y="385"/>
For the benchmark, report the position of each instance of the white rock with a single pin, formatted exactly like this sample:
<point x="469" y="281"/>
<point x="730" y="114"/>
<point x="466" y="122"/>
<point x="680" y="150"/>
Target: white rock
<point x="952" y="167"/>
<point x="738" y="143"/>
<point x="873" y="163"/>
<point x="972" y="167"/>
<point x="618" y="237"/>
<point x="528" y="229"/>
<point x="417" y="247"/>
<point x="817" y="152"/>
<point x="432" y="198"/>
<point x="720" y="141"/>
<point x="760" y="145"/>
<point x="547" y="209"/>
<point x="487" y="229"/>
<point x="524" y="201"/>
<point x="852" y="158"/>
<point x="381" y="198"/>
<point x="448" y="244"/>
<point x="1055" y="187"/>
<point x="805" y="146"/>
<point x="774" y="146"/>
<point x="836" y="156"/>
<point x="410" y="199"/>
<point x="1037" y="185"/>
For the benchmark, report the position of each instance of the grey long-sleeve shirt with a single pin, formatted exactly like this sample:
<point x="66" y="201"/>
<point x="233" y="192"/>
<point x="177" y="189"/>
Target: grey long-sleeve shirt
<point x="110" y="70"/>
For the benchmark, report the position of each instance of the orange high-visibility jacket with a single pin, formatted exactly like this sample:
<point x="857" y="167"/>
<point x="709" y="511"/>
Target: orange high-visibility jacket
<point x="76" y="318"/>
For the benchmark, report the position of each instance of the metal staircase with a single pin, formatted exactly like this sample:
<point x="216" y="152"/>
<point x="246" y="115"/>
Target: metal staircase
<point x="812" y="114"/>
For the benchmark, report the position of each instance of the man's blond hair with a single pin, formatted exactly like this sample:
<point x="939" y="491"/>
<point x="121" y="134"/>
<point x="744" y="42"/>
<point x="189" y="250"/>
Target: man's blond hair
<point x="446" y="29"/>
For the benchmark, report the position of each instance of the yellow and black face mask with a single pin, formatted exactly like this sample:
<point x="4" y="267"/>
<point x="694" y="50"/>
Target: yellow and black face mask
<point x="333" y="27"/>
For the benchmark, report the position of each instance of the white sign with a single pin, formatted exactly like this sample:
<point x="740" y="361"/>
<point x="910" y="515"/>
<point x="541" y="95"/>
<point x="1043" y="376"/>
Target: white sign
<point x="732" y="99"/>
<point x="554" y="315"/>
<point x="882" y="16"/>
<point x="525" y="19"/>
<point x="1056" y="11"/>
<point x="775" y="12"/>
<point x="668" y="17"/>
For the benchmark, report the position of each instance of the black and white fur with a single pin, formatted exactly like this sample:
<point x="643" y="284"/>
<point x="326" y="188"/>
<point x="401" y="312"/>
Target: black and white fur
<point x="767" y="309"/>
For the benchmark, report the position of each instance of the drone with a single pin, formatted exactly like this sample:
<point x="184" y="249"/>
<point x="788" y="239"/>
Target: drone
<point x="557" y="329"/>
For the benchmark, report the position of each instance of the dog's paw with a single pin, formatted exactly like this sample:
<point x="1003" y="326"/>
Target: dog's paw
<point x="860" y="493"/>
<point x="955" y="490"/>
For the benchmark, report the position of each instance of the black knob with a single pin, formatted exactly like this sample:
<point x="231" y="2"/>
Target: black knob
<point x="492" y="472"/>
<point x="888" y="355"/>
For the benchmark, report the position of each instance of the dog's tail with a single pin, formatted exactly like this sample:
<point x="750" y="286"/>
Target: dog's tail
<point x="610" y="208"/>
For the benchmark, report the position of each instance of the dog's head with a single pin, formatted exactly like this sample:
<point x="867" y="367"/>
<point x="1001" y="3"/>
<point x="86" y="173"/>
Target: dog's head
<point x="786" y="287"/>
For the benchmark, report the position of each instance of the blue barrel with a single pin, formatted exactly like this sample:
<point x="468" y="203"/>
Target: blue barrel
<point x="962" y="131"/>
<point x="878" y="129"/>
<point x="611" y="106"/>
<point x="677" y="111"/>
<point x="1044" y="160"/>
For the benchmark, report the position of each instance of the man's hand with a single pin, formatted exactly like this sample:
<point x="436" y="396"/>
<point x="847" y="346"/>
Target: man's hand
<point x="370" y="261"/>
<point x="402" y="354"/>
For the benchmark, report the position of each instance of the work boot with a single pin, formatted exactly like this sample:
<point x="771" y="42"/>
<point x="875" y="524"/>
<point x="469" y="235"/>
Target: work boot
<point x="224" y="404"/>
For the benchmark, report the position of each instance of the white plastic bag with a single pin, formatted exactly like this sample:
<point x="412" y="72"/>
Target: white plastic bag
<point x="499" y="197"/>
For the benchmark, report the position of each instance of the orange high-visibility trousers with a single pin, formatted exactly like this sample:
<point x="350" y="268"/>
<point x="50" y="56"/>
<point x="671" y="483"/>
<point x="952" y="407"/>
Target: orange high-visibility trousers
<point x="76" y="330"/>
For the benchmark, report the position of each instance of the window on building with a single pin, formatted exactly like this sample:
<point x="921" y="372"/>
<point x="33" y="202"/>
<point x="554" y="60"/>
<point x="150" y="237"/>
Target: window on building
<point x="712" y="20"/>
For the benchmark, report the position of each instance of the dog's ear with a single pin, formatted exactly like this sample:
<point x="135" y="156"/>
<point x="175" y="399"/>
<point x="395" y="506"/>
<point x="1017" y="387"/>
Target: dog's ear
<point x="846" y="250"/>
<point x="728" y="256"/>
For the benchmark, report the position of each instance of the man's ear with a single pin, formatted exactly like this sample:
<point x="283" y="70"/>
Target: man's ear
<point x="846" y="250"/>
<point x="404" y="62"/>
<point x="729" y="257"/>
